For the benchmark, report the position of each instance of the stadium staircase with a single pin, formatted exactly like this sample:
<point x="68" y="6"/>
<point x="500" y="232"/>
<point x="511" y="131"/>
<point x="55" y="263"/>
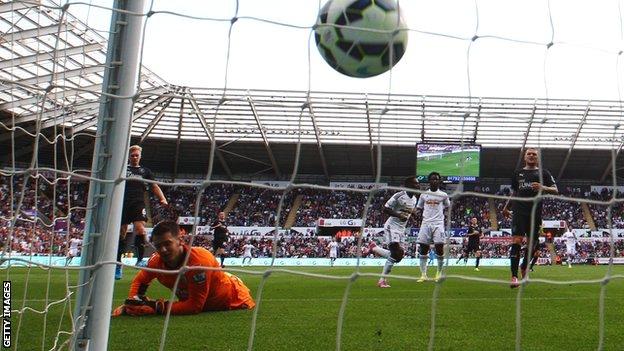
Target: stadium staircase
<point x="588" y="216"/>
<point x="231" y="203"/>
<point x="292" y="215"/>
<point x="493" y="217"/>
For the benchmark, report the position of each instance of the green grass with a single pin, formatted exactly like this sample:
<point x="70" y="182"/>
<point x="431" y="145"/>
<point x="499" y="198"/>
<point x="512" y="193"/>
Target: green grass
<point x="301" y="313"/>
<point x="446" y="165"/>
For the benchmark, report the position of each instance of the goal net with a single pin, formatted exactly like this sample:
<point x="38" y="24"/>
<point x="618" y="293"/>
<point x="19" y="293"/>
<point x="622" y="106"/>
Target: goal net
<point x="236" y="112"/>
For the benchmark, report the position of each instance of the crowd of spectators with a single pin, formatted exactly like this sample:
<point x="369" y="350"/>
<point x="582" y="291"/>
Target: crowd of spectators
<point x="47" y="203"/>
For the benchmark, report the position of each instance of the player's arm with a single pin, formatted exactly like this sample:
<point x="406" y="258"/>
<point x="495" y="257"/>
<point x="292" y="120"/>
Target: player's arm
<point x="159" y="193"/>
<point x="198" y="293"/>
<point x="156" y="189"/>
<point x="506" y="212"/>
<point x="140" y="283"/>
<point x="549" y="186"/>
<point x="388" y="209"/>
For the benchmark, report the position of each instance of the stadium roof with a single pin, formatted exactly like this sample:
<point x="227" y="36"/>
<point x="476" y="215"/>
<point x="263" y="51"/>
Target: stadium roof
<point x="51" y="69"/>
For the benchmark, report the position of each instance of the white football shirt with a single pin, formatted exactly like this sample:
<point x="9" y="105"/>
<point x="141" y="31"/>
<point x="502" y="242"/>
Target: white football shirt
<point x="569" y="238"/>
<point x="74" y="243"/>
<point x="333" y="248"/>
<point x="400" y="202"/>
<point x="433" y="203"/>
<point x="248" y="248"/>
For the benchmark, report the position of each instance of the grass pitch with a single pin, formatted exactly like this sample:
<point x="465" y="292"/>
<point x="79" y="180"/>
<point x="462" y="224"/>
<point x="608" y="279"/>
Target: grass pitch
<point x="301" y="313"/>
<point x="447" y="164"/>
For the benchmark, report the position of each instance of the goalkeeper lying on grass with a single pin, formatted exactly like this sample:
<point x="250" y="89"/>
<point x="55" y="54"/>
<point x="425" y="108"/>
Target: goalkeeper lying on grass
<point x="198" y="290"/>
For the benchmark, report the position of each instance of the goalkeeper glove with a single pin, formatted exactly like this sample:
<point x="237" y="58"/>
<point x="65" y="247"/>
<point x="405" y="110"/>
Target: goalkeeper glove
<point x="142" y="306"/>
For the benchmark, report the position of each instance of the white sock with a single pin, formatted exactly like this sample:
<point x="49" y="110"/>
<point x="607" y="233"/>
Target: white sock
<point x="440" y="263"/>
<point x="388" y="266"/>
<point x="423" y="265"/>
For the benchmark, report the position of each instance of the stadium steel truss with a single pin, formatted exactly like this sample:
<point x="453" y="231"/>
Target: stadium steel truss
<point x="51" y="68"/>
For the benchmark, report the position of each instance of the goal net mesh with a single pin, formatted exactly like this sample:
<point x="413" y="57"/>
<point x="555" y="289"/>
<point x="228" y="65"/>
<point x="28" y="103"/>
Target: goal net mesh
<point x="51" y="74"/>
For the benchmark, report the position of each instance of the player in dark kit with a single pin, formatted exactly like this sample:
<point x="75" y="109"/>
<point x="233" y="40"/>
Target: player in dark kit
<point x="526" y="183"/>
<point x="134" y="206"/>
<point x="220" y="233"/>
<point x="474" y="238"/>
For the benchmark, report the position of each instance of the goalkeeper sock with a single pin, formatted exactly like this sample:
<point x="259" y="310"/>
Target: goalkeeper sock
<point x="478" y="260"/>
<point x="514" y="257"/>
<point x="222" y="257"/>
<point x="388" y="266"/>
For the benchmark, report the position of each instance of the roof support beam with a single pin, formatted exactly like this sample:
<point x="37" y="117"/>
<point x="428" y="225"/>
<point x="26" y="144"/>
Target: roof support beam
<point x="67" y="111"/>
<point x="16" y="5"/>
<point x="206" y="128"/>
<point x="140" y="112"/>
<point x="35" y="32"/>
<point x="46" y="56"/>
<point x="177" y="152"/>
<point x="526" y="136"/>
<point x="370" y="137"/>
<point x="154" y="122"/>
<point x="264" y="137"/>
<point x="476" y="130"/>
<point x="62" y="75"/>
<point x="574" y="139"/>
<point x="317" y="132"/>
<point x="51" y="97"/>
<point x="51" y="122"/>
<point x="612" y="162"/>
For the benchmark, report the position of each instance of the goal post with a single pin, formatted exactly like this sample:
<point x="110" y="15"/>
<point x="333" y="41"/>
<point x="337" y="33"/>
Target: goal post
<point x="106" y="191"/>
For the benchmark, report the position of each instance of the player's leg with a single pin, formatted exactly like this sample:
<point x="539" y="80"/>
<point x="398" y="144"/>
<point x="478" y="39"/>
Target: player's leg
<point x="461" y="256"/>
<point x="518" y="230"/>
<point x="536" y="256"/>
<point x="425" y="239"/>
<point x="221" y="253"/>
<point x="532" y="244"/>
<point x="140" y="236"/>
<point x="438" y="240"/>
<point x="478" y="259"/>
<point x="387" y="238"/>
<point x="571" y="254"/>
<point x="122" y="247"/>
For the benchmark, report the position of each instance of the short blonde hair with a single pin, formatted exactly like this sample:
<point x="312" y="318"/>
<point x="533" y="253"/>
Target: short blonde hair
<point x="136" y="147"/>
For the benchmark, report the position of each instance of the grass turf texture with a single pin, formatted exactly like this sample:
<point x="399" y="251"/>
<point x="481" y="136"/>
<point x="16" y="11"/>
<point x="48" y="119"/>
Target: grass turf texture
<point x="446" y="165"/>
<point x="301" y="313"/>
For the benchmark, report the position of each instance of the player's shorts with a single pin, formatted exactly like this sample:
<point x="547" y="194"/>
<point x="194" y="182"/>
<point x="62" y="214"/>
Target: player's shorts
<point x="73" y="253"/>
<point x="473" y="247"/>
<point x="521" y="226"/>
<point x="393" y="234"/>
<point x="333" y="255"/>
<point x="218" y="244"/>
<point x="570" y="250"/>
<point x="133" y="212"/>
<point x="431" y="233"/>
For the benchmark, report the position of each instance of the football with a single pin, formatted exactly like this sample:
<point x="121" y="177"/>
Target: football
<point x="361" y="38"/>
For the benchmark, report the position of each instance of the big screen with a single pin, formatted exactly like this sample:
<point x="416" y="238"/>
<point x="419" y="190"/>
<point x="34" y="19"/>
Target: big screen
<point x="452" y="161"/>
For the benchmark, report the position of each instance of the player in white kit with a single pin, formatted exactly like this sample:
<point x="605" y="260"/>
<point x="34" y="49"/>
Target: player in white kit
<point x="74" y="245"/>
<point x="399" y="208"/>
<point x="333" y="251"/>
<point x="570" y="241"/>
<point x="432" y="203"/>
<point x="247" y="249"/>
